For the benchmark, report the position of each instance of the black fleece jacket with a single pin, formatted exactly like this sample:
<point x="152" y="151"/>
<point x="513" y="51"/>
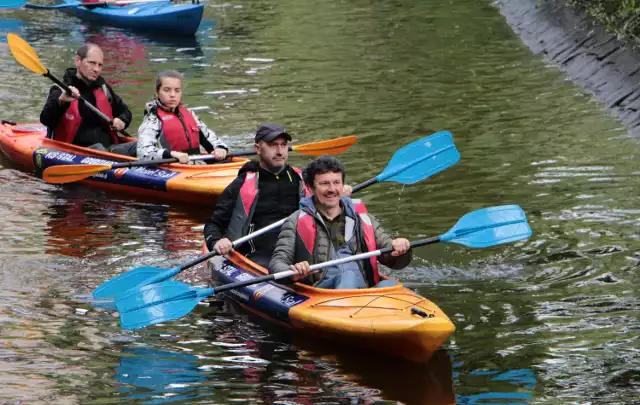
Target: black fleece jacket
<point x="93" y="129"/>
<point x="278" y="197"/>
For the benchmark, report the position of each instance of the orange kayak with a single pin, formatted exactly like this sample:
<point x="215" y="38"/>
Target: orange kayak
<point x="392" y="320"/>
<point x="27" y="146"/>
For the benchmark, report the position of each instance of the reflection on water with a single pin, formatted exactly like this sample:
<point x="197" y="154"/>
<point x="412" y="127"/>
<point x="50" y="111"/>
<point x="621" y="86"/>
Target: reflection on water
<point x="8" y="25"/>
<point x="273" y="368"/>
<point x="523" y="380"/>
<point x="300" y="372"/>
<point x="549" y="320"/>
<point x="84" y="227"/>
<point x="384" y="378"/>
<point x="158" y="372"/>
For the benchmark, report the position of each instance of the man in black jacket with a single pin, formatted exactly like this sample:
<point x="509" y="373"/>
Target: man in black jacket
<point x="69" y="120"/>
<point x="264" y="192"/>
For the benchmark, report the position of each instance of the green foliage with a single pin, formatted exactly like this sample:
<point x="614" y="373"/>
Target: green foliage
<point x="621" y="17"/>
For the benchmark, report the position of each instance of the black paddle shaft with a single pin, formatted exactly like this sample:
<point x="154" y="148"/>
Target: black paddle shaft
<point x="364" y="184"/>
<point x="88" y="104"/>
<point x="199" y="260"/>
<point x="421" y="242"/>
<point x="244" y="283"/>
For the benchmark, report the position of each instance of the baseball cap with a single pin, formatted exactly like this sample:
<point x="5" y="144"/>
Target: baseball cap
<point x="268" y="132"/>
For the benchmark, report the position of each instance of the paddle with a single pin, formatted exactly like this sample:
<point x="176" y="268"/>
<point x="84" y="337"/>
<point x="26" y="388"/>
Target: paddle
<point x="27" y="57"/>
<point x="414" y="162"/>
<point x="12" y="3"/>
<point x="69" y="173"/>
<point x="169" y="300"/>
<point x="88" y="5"/>
<point x="420" y="160"/>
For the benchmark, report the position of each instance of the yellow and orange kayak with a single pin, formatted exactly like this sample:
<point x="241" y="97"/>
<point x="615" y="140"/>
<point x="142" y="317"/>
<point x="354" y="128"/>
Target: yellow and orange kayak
<point x="392" y="320"/>
<point x="27" y="146"/>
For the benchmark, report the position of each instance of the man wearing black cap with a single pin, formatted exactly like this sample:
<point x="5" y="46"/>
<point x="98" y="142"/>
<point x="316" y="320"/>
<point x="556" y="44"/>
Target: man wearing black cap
<point x="264" y="192"/>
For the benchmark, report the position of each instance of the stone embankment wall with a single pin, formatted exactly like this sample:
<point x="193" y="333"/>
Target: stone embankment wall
<point x="602" y="64"/>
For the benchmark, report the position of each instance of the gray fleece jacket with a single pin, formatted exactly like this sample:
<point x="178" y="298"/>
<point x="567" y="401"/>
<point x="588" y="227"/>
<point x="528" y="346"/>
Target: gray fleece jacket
<point x="290" y="250"/>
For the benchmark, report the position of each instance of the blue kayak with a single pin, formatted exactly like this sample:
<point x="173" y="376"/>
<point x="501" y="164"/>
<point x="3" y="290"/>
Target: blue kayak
<point x="159" y="17"/>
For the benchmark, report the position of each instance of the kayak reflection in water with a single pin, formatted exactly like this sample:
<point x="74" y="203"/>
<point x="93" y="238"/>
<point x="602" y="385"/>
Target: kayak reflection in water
<point x="329" y="226"/>
<point x="81" y="227"/>
<point x="126" y="53"/>
<point x="170" y="129"/>
<point x="70" y="121"/>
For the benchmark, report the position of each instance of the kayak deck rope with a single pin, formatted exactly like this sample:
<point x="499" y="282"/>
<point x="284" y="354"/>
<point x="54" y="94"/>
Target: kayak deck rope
<point x="375" y="297"/>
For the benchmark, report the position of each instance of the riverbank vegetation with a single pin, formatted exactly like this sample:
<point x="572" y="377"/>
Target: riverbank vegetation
<point x="621" y="17"/>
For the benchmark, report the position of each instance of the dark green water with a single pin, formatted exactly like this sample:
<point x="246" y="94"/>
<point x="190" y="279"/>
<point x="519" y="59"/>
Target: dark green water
<point x="552" y="320"/>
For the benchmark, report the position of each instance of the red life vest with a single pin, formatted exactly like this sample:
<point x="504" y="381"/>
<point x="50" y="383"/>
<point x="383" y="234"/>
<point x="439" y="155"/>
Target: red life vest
<point x="180" y="131"/>
<point x="70" y="122"/>
<point x="245" y="204"/>
<point x="248" y="192"/>
<point x="307" y="232"/>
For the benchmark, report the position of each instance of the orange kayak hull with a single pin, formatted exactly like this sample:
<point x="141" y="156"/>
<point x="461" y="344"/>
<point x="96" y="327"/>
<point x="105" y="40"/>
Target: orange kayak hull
<point x="392" y="320"/>
<point x="27" y="147"/>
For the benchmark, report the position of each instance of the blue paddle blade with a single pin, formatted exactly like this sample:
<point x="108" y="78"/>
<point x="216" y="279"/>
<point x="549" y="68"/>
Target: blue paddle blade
<point x="12" y="3"/>
<point x="489" y="227"/>
<point x="146" y="367"/>
<point x="158" y="303"/>
<point x="421" y="159"/>
<point x="135" y="278"/>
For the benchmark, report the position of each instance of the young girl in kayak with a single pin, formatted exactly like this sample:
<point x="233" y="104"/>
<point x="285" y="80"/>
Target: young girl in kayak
<point x="170" y="129"/>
